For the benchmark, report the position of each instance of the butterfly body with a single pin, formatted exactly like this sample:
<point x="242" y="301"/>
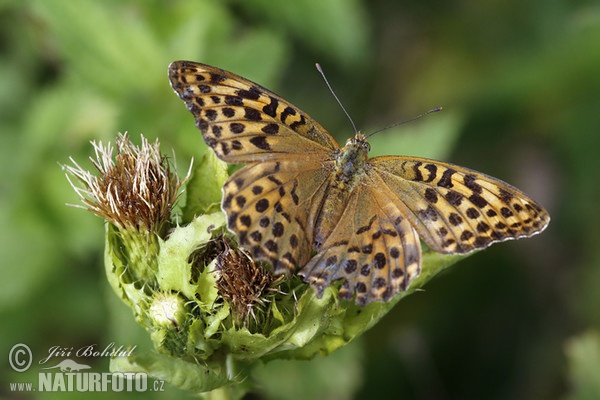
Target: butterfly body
<point x="352" y="160"/>
<point x="346" y="173"/>
<point x="308" y="206"/>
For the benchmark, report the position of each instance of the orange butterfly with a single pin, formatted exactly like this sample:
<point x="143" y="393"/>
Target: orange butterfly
<point x="301" y="192"/>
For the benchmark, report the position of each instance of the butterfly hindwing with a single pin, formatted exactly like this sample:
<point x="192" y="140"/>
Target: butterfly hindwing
<point x="456" y="209"/>
<point x="374" y="249"/>
<point x="270" y="206"/>
<point x="241" y="120"/>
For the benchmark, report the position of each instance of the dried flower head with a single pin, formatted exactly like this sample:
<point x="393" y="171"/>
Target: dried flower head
<point x="243" y="283"/>
<point x="136" y="190"/>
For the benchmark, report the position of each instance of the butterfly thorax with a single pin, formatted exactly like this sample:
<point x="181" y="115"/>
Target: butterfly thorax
<point x="351" y="160"/>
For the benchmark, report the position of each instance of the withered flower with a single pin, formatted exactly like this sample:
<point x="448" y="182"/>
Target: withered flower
<point x="135" y="190"/>
<point x="246" y="285"/>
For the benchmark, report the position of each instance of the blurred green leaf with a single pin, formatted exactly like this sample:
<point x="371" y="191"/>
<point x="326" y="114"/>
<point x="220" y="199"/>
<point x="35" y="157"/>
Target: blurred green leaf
<point x="337" y="376"/>
<point x="335" y="27"/>
<point x="433" y="136"/>
<point x="583" y="353"/>
<point x="109" y="49"/>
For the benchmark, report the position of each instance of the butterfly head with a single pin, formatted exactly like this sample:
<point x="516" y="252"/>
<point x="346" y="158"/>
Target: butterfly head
<point x="358" y="141"/>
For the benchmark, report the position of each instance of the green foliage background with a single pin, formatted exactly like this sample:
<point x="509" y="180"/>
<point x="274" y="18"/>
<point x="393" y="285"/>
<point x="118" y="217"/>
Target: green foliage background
<point x="520" y="85"/>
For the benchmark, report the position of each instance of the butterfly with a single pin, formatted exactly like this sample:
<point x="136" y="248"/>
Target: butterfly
<point x="306" y="205"/>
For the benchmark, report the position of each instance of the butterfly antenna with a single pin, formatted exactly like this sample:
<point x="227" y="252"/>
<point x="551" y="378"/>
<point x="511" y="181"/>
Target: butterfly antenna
<point x="334" y="95"/>
<point x="407" y="121"/>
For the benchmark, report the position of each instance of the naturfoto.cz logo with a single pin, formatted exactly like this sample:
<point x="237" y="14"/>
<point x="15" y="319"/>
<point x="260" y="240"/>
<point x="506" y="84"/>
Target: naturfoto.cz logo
<point x="69" y="375"/>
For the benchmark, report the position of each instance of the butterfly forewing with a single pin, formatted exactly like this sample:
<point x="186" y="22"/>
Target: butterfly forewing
<point x="456" y="209"/>
<point x="244" y="122"/>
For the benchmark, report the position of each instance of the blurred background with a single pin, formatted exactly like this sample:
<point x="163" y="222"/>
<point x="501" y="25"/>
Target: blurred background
<point x="520" y="85"/>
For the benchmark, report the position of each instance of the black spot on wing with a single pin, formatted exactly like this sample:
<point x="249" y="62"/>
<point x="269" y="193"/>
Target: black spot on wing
<point x="236" y="145"/>
<point x="365" y="228"/>
<point x="270" y="129"/>
<point x="246" y="220"/>
<point x="274" y="180"/>
<point x="469" y="181"/>
<point x="261" y="143"/>
<point x="216" y="77"/>
<point x="432" y="168"/>
<point x="431" y="195"/>
<point x="252" y="94"/>
<point x="350" y="266"/>
<point x="296" y="124"/>
<point x="478" y="200"/>
<point x="252" y="114"/>
<point x="428" y="214"/>
<point x="261" y="205"/>
<point x="211" y="115"/>
<point x="418" y="175"/>
<point x="236" y="127"/>
<point x="286" y="113"/>
<point x="455" y="219"/>
<point x="264" y="222"/>
<point x="454" y="198"/>
<point x="472" y="213"/>
<point x="234" y="101"/>
<point x="278" y="229"/>
<point x="271" y="108"/>
<point x="295" y="197"/>
<point x="446" y="179"/>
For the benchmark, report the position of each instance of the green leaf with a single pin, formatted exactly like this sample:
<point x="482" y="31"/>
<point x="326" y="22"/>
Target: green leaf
<point x="173" y="261"/>
<point x="204" y="188"/>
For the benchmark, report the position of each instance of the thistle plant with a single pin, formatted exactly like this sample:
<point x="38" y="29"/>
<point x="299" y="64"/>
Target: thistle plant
<point x="210" y="309"/>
